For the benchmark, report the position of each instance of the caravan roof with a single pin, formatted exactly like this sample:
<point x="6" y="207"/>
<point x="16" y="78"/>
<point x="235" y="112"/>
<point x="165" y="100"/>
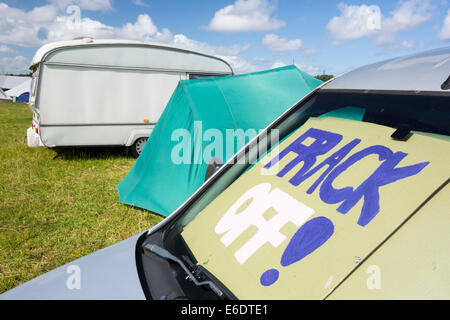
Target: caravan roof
<point x="128" y="54"/>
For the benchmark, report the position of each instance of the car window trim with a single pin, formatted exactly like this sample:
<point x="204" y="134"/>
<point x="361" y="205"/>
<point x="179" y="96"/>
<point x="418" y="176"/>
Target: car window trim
<point x="388" y="92"/>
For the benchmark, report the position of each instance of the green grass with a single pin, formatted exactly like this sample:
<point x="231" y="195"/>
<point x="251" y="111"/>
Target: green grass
<point x="55" y="210"/>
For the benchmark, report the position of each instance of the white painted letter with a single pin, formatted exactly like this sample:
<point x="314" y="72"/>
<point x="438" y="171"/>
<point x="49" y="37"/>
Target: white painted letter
<point x="234" y="223"/>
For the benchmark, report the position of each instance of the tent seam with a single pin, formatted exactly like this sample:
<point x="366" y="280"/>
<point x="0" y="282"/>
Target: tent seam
<point x="189" y="101"/>
<point x="228" y="106"/>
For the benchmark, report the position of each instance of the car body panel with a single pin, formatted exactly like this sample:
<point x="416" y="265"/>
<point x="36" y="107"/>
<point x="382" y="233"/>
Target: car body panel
<point x="425" y="71"/>
<point x="413" y="264"/>
<point x="110" y="273"/>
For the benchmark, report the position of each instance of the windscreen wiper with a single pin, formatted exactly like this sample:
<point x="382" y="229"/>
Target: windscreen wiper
<point x="163" y="253"/>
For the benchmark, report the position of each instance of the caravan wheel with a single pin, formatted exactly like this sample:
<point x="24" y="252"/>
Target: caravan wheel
<point x="138" y="146"/>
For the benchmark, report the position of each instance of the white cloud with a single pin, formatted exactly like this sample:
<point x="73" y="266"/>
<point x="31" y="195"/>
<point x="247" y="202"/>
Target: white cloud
<point x="405" y="44"/>
<point x="444" y="34"/>
<point x="20" y="27"/>
<point x="141" y="29"/>
<point x="355" y="22"/>
<point x="42" y="14"/>
<point x="5" y="49"/>
<point x="240" y="65"/>
<point x="144" y="30"/>
<point x="65" y="29"/>
<point x="312" y="70"/>
<point x="401" y="46"/>
<point x="368" y="21"/>
<point x="407" y="15"/>
<point x="245" y="15"/>
<point x="140" y="3"/>
<point x="278" y="64"/>
<point x="48" y="23"/>
<point x="243" y="66"/>
<point x="92" y="5"/>
<point x="309" y="51"/>
<point x="14" y="65"/>
<point x="181" y="41"/>
<point x="56" y="20"/>
<point x="276" y="43"/>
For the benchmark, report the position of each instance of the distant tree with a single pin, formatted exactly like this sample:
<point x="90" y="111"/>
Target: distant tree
<point x="325" y="77"/>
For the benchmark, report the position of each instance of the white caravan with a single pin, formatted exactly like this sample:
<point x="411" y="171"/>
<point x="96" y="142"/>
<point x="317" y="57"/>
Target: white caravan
<point x="90" y="92"/>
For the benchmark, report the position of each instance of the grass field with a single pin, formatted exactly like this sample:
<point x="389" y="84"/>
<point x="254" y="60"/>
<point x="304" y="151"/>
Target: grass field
<point x="53" y="211"/>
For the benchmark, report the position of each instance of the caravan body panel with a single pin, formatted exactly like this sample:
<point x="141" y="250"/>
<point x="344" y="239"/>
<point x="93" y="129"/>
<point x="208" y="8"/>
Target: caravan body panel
<point x="103" y="92"/>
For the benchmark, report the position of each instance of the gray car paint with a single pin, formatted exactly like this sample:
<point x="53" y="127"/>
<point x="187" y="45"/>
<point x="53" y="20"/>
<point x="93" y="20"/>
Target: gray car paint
<point x="424" y="71"/>
<point x="109" y="273"/>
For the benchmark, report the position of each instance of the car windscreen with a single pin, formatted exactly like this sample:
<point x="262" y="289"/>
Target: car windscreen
<point x="423" y="112"/>
<point x="364" y="120"/>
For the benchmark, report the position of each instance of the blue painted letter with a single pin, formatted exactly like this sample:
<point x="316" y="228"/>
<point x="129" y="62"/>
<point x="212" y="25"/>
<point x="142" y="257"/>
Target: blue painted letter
<point x="385" y="174"/>
<point x="324" y="142"/>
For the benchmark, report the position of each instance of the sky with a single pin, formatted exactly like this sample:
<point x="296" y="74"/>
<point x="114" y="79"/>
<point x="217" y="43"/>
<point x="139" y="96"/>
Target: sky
<point x="321" y="36"/>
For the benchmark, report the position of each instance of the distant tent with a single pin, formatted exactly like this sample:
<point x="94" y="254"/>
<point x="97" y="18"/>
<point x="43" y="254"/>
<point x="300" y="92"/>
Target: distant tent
<point x="9" y="82"/>
<point x="249" y="101"/>
<point x="24" y="97"/>
<point x="2" y="94"/>
<point x="4" y="97"/>
<point x="21" y="93"/>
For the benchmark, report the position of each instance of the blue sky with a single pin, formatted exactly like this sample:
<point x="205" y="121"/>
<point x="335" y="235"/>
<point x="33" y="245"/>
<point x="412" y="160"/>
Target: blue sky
<point x="252" y="35"/>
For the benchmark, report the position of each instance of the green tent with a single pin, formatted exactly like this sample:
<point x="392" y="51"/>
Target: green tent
<point x="201" y="111"/>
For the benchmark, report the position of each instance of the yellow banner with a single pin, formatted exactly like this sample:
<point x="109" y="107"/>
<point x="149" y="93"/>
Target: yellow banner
<point x="297" y="223"/>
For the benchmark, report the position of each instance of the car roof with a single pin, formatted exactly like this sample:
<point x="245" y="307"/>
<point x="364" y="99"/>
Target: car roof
<point x="43" y="51"/>
<point x="424" y="71"/>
